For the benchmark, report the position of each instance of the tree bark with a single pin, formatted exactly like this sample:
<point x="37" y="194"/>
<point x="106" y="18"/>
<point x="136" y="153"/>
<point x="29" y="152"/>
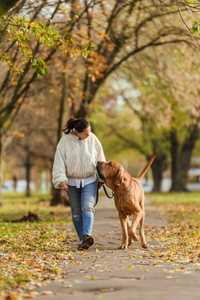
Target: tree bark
<point x="6" y="5"/>
<point x="58" y="196"/>
<point x="181" y="154"/>
<point x="28" y="168"/>
<point x="157" y="171"/>
<point x="89" y="91"/>
<point x="1" y="169"/>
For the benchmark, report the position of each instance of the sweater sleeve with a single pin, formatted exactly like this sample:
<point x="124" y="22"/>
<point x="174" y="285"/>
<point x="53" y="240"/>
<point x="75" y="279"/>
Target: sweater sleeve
<point x="59" y="170"/>
<point x="100" y="152"/>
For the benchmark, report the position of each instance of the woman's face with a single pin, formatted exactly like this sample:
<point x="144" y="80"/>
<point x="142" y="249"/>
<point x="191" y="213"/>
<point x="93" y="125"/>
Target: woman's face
<point x="84" y="134"/>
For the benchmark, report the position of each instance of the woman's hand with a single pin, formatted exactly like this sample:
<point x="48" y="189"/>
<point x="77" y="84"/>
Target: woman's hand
<point x="63" y="186"/>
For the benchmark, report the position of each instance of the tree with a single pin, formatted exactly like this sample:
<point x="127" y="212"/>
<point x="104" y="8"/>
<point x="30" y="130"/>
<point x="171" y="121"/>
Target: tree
<point x="5" y="6"/>
<point x="40" y="123"/>
<point x="106" y="36"/>
<point x="184" y="132"/>
<point x="32" y="44"/>
<point x="27" y="45"/>
<point x="131" y="116"/>
<point x="118" y="32"/>
<point x="170" y="93"/>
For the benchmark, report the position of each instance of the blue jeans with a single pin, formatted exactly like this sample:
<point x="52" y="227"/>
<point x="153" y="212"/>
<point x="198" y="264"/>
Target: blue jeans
<point x="82" y="201"/>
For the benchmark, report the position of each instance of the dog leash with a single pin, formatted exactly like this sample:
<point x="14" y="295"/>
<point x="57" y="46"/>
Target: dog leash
<point x="100" y="183"/>
<point x="106" y="192"/>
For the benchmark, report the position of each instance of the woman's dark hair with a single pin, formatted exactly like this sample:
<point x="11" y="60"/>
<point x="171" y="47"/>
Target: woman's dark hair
<point x="78" y="124"/>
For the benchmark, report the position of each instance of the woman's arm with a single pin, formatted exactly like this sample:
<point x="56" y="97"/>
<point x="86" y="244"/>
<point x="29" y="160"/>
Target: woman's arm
<point x="59" y="177"/>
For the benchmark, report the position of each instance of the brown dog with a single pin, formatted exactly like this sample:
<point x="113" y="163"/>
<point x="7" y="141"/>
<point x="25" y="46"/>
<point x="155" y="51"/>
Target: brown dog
<point x="129" y="198"/>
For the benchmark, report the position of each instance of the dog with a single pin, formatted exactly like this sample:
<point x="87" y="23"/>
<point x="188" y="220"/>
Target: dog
<point x="128" y="197"/>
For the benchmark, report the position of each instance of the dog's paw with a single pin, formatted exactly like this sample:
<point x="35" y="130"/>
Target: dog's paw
<point x="144" y="246"/>
<point x="129" y="242"/>
<point x="123" y="246"/>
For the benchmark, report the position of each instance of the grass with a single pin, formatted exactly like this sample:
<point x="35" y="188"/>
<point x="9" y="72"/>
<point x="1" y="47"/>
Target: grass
<point x="180" y="237"/>
<point x="175" y="198"/>
<point x="15" y="206"/>
<point x="32" y="251"/>
<point x="178" y="207"/>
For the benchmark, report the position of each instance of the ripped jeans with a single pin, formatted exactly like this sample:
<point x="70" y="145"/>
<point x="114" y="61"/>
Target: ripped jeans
<point x="82" y="201"/>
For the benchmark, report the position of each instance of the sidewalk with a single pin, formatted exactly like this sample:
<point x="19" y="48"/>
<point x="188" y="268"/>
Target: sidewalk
<point x="104" y="272"/>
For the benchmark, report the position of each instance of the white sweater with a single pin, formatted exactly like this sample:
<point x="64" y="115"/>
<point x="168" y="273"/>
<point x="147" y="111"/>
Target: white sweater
<point x="76" y="158"/>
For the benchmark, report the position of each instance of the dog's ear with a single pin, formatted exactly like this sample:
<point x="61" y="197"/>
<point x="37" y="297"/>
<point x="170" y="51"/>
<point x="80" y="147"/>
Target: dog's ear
<point x="119" y="177"/>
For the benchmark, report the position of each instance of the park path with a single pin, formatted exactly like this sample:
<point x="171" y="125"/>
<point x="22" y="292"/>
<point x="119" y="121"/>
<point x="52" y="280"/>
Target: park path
<point x="104" y="272"/>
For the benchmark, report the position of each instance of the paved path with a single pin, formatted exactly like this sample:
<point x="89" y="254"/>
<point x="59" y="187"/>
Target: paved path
<point x="104" y="272"/>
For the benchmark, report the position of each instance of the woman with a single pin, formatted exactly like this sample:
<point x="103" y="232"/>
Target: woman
<point x="74" y="170"/>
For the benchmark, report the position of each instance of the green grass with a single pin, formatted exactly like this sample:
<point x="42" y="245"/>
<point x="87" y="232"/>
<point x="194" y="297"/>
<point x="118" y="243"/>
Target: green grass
<point x="175" y="198"/>
<point x="14" y="206"/>
<point x="178" y="207"/>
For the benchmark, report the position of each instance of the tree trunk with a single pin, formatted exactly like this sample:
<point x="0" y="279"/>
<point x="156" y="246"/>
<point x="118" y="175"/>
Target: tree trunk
<point x="15" y="180"/>
<point x="57" y="196"/>
<point x="82" y="112"/>
<point x="28" y="167"/>
<point x="89" y="92"/>
<point x="181" y="154"/>
<point x="1" y="169"/>
<point x="157" y="171"/>
<point x="6" y="5"/>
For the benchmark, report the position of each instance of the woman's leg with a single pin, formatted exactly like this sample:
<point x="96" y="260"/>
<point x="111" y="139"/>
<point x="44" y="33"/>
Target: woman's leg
<point x="88" y="201"/>
<point x="75" y="204"/>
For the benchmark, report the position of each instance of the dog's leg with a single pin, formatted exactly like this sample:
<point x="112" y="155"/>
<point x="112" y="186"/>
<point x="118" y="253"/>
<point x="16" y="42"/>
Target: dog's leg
<point x="139" y="215"/>
<point x="141" y="229"/>
<point x="124" y="224"/>
<point x="132" y="235"/>
<point x="142" y="235"/>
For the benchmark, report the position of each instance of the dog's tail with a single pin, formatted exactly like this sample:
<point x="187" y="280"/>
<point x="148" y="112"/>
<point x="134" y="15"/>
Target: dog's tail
<point x="146" y="168"/>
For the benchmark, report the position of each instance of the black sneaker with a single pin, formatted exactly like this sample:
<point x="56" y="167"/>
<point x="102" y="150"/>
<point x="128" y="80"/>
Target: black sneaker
<point x="80" y="247"/>
<point x="87" y="242"/>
